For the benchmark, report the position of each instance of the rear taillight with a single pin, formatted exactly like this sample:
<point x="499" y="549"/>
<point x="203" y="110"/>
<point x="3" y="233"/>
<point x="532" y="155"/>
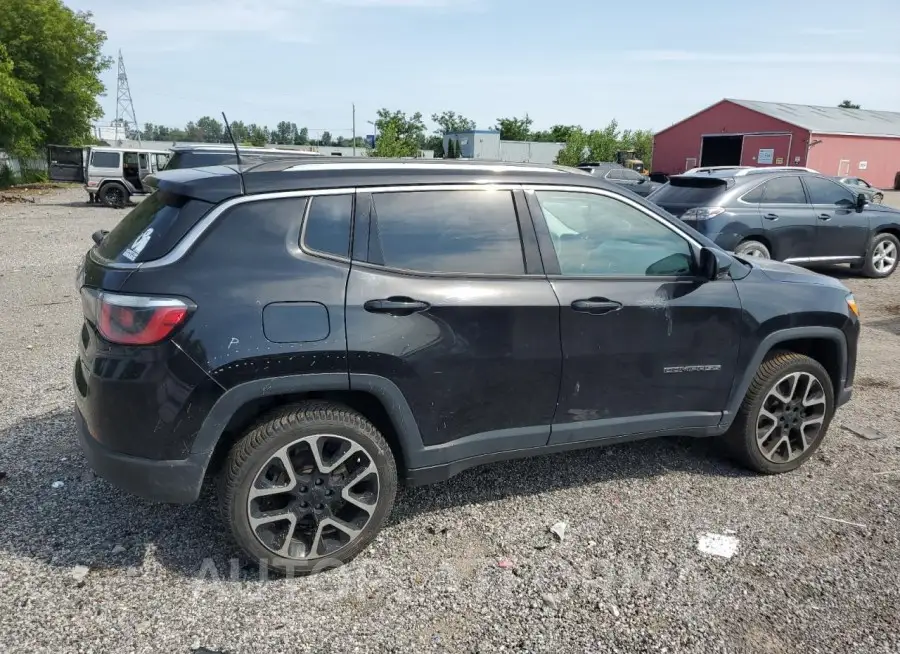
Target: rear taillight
<point x="702" y="213"/>
<point x="134" y="319"/>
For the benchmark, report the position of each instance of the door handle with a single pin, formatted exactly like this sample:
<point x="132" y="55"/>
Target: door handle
<point x="596" y="306"/>
<point x="825" y="216"/>
<point x="397" y="306"/>
<point x="771" y="216"/>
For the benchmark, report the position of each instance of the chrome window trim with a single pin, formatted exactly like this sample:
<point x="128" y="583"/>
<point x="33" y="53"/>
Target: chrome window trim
<point x="530" y="188"/>
<point x="194" y="234"/>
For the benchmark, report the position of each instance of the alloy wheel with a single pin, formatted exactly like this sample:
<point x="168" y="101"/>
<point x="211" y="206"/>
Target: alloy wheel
<point x="791" y="418"/>
<point x="884" y="257"/>
<point x="313" y="497"/>
<point x="114" y="196"/>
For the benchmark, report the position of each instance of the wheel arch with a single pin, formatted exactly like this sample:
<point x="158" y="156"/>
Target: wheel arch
<point x="376" y="398"/>
<point x="827" y="345"/>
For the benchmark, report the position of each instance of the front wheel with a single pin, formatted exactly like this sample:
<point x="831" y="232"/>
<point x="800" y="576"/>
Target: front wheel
<point x="784" y="415"/>
<point x="882" y="257"/>
<point x="878" y="199"/>
<point x="308" y="489"/>
<point x="752" y="248"/>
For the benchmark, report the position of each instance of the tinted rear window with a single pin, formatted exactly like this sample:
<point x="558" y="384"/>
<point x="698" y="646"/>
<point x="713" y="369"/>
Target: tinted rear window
<point x="105" y="159"/>
<point x="199" y="159"/>
<point x="152" y="228"/>
<point x="693" y="191"/>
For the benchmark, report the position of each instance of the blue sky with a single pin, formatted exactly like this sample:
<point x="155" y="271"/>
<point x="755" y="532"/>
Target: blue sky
<point x="647" y="63"/>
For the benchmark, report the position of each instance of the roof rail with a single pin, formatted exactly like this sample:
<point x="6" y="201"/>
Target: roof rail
<point x="776" y="169"/>
<point x="418" y="165"/>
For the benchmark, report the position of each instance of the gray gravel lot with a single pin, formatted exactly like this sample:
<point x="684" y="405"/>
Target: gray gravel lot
<point x="627" y="576"/>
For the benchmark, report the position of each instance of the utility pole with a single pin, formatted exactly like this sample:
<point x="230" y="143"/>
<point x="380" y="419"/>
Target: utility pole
<point x="354" y="129"/>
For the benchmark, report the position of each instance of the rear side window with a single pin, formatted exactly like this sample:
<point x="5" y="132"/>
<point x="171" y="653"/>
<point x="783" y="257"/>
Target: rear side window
<point x="447" y="232"/>
<point x="105" y="159"/>
<point x="824" y="191"/>
<point x="615" y="174"/>
<point x="152" y="228"/>
<point x="327" y="228"/>
<point x="783" y="190"/>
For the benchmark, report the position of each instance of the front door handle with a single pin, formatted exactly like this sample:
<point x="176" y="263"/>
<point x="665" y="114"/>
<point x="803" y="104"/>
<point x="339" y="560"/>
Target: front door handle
<point x="825" y="216"/>
<point x="596" y="306"/>
<point x="771" y="216"/>
<point x="396" y="306"/>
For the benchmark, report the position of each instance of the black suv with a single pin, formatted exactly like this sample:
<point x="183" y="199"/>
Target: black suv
<point x="310" y="332"/>
<point x="789" y="215"/>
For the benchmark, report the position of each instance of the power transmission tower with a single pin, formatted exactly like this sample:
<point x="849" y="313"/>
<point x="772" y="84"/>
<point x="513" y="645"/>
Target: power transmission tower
<point x="124" y="106"/>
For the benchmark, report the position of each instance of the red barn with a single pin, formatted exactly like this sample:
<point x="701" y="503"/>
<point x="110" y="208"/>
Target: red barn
<point x="834" y="141"/>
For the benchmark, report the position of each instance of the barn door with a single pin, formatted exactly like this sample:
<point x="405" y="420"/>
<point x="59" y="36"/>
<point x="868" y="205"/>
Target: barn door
<point x="65" y="164"/>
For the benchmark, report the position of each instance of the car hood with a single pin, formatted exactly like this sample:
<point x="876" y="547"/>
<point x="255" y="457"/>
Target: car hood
<point x="881" y="208"/>
<point x="785" y="272"/>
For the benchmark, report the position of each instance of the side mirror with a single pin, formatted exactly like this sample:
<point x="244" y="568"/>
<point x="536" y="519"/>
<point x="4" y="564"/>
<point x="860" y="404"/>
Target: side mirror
<point x="713" y="263"/>
<point x="860" y="202"/>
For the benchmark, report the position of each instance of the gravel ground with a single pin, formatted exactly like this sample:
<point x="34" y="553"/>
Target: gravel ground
<point x="627" y="576"/>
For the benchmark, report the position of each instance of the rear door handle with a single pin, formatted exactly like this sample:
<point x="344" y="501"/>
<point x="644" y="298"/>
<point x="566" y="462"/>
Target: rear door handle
<point x="596" y="306"/>
<point x="771" y="216"/>
<point x="397" y="306"/>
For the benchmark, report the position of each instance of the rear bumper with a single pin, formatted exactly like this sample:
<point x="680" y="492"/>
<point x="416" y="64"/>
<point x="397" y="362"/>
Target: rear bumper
<point x="174" y="482"/>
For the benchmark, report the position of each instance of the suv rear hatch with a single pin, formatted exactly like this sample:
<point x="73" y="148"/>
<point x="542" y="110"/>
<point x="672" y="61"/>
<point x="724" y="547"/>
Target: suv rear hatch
<point x="685" y="192"/>
<point x="152" y="229"/>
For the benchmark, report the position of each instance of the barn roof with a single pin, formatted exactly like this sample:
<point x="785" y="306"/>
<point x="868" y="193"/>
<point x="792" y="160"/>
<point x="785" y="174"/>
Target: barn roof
<point x="829" y="120"/>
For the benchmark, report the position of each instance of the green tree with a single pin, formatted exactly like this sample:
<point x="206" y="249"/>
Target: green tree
<point x="603" y="144"/>
<point x="211" y="129"/>
<point x="846" y="104"/>
<point x="326" y="138"/>
<point x="575" y="150"/>
<point x="515" y="129"/>
<point x="258" y="136"/>
<point x="399" y="135"/>
<point x="450" y="122"/>
<point x="56" y="57"/>
<point x="239" y="131"/>
<point x="20" y="133"/>
<point x="285" y="132"/>
<point x="302" y="137"/>
<point x="556" y="134"/>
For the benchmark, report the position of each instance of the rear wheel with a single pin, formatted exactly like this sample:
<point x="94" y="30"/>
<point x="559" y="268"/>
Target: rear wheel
<point x="309" y="488"/>
<point x="784" y="415"/>
<point x="751" y="248"/>
<point x="114" y="194"/>
<point x="882" y="257"/>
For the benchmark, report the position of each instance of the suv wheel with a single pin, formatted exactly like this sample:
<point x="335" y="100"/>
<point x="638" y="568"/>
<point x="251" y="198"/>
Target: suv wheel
<point x="752" y="248"/>
<point x="114" y="195"/>
<point x="784" y="416"/>
<point x="882" y="257"/>
<point x="309" y="488"/>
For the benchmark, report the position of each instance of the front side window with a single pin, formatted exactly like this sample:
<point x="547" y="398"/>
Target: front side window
<point x="783" y="190"/>
<point x="474" y="232"/>
<point x="105" y="159"/>
<point x="327" y="227"/>
<point x="824" y="191"/>
<point x="599" y="235"/>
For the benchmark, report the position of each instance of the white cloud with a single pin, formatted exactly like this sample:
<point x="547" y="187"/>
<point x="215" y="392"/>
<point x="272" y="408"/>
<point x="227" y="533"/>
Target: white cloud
<point x="871" y="58"/>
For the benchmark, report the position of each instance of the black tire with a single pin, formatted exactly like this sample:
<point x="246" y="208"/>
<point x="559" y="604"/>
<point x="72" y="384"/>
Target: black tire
<point x="741" y="437"/>
<point x="253" y="455"/>
<point x="753" y="248"/>
<point x="880" y="243"/>
<point x="114" y="194"/>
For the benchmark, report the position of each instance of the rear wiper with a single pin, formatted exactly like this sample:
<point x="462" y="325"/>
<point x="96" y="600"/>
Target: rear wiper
<point x="99" y="235"/>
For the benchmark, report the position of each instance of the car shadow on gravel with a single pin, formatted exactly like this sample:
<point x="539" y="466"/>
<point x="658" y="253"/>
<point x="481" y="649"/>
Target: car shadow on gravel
<point x="56" y="511"/>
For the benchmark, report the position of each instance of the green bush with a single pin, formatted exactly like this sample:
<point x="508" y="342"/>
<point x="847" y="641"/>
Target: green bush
<point x="34" y="177"/>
